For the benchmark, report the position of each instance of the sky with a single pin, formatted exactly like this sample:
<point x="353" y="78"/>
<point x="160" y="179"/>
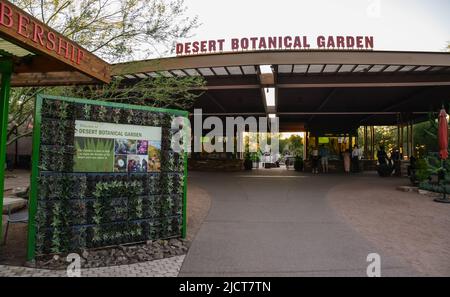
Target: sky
<point x="406" y="25"/>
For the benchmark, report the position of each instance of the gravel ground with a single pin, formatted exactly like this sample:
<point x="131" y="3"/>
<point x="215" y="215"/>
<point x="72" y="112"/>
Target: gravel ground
<point x="407" y="225"/>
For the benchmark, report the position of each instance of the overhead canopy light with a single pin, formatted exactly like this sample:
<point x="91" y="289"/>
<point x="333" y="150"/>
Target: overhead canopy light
<point x="265" y="69"/>
<point x="272" y="115"/>
<point x="270" y="96"/>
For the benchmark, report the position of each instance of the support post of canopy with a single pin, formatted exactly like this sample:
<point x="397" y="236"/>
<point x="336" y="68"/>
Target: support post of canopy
<point x="372" y="139"/>
<point x="6" y="71"/>
<point x="366" y="147"/>
<point x="402" y="142"/>
<point x="408" y="138"/>
<point x="305" y="146"/>
<point x="413" y="152"/>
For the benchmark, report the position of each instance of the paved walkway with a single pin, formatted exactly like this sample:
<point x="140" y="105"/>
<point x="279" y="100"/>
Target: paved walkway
<point x="278" y="223"/>
<point x="168" y="267"/>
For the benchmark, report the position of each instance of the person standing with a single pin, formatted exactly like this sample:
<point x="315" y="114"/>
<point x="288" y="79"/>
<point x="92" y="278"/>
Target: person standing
<point x="395" y="156"/>
<point x="382" y="156"/>
<point x="346" y="156"/>
<point x="315" y="160"/>
<point x="356" y="153"/>
<point x="324" y="153"/>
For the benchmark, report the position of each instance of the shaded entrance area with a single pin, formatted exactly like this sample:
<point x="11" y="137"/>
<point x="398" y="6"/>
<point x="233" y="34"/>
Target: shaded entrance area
<point x="322" y="93"/>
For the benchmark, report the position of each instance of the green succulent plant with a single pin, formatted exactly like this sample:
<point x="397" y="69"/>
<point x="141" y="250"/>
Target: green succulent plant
<point x="87" y="110"/>
<point x="116" y="115"/>
<point x="102" y="113"/>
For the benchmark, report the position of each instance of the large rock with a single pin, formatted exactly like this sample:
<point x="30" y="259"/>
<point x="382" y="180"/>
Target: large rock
<point x="13" y="203"/>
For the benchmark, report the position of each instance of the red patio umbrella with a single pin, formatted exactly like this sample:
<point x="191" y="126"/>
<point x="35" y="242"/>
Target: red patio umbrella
<point x="443" y="149"/>
<point x="443" y="135"/>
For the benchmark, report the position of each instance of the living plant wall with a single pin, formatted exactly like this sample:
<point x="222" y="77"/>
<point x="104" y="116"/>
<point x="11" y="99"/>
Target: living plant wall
<point x="104" y="174"/>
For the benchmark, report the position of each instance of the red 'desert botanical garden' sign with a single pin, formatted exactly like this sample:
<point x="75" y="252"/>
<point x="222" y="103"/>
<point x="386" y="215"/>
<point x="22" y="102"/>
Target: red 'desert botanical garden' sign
<point x="26" y="31"/>
<point x="275" y="43"/>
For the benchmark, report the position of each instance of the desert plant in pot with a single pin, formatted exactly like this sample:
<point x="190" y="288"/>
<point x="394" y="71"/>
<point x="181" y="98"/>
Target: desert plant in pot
<point x="256" y="158"/>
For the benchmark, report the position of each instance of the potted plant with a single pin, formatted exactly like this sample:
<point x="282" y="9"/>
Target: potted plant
<point x="256" y="159"/>
<point x="298" y="163"/>
<point x="248" y="163"/>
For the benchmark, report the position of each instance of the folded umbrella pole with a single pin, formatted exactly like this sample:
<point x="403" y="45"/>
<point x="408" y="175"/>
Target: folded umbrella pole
<point x="443" y="150"/>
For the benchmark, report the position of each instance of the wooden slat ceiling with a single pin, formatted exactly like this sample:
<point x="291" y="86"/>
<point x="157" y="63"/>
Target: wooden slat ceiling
<point x="349" y="68"/>
<point x="8" y="49"/>
<point x="203" y="71"/>
<point x="294" y="69"/>
<point x="337" y="69"/>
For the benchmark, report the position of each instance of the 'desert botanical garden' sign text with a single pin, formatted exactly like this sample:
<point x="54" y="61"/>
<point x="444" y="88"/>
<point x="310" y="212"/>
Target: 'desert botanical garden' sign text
<point x="108" y="147"/>
<point x="275" y="43"/>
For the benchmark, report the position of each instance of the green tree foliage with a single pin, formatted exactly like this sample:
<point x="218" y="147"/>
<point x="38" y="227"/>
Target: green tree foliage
<point x="115" y="30"/>
<point x="292" y="145"/>
<point x="425" y="136"/>
<point x="386" y="136"/>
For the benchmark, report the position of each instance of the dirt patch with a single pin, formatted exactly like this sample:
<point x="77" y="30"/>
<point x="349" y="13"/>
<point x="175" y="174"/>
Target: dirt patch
<point x="198" y="204"/>
<point x="406" y="225"/>
<point x="16" y="179"/>
<point x="14" y="252"/>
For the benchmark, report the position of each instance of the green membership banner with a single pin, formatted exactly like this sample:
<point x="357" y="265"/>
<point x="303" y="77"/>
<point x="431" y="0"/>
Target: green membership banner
<point x="109" y="147"/>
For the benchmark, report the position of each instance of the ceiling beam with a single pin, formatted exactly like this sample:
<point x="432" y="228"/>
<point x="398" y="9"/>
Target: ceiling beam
<point x="363" y="85"/>
<point x="30" y="64"/>
<point x="365" y="78"/>
<point x="285" y="58"/>
<point x="50" y="79"/>
<point x="324" y="85"/>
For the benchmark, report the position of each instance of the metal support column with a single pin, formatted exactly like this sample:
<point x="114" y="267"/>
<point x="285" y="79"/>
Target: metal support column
<point x="372" y="138"/>
<point x="366" y="147"/>
<point x="413" y="150"/>
<point x="305" y="147"/>
<point x="402" y="140"/>
<point x="6" y="71"/>
<point x="408" y="152"/>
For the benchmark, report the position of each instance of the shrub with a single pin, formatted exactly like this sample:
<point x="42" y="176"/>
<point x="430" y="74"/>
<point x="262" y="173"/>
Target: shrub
<point x="423" y="170"/>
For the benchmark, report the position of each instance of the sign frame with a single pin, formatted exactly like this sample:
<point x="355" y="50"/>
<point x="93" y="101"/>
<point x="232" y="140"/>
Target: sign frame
<point x="32" y="208"/>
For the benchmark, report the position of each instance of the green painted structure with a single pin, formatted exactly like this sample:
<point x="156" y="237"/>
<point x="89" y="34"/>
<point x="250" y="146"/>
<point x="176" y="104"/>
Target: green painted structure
<point x="6" y="72"/>
<point x="37" y="157"/>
